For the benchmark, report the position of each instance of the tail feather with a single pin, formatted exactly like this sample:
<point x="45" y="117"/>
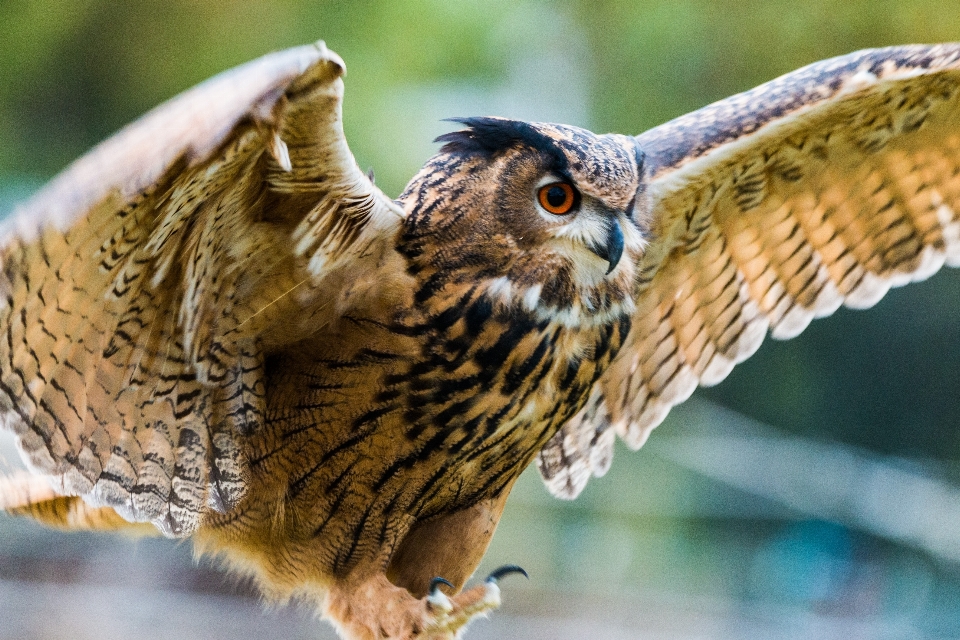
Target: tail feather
<point x="24" y="494"/>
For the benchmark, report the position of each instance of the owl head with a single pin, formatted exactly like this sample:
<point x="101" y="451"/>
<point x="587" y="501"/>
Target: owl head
<point x="547" y="218"/>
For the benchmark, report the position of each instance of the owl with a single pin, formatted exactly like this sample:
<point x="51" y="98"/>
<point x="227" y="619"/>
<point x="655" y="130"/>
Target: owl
<point x="216" y="327"/>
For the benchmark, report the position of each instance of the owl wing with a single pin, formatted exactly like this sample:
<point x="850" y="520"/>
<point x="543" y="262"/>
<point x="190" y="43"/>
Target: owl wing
<point x="142" y="287"/>
<point x="824" y="187"/>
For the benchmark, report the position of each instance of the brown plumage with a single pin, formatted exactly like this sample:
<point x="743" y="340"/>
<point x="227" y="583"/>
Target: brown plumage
<point x="217" y="324"/>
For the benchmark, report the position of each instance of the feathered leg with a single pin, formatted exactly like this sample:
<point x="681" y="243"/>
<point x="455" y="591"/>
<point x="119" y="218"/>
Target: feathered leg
<point x="406" y="602"/>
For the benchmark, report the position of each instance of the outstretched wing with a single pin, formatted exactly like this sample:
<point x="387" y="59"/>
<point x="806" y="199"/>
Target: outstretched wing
<point x="142" y="287"/>
<point x="824" y="187"/>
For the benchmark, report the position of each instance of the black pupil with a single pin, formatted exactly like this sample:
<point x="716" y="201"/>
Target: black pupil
<point x="556" y="196"/>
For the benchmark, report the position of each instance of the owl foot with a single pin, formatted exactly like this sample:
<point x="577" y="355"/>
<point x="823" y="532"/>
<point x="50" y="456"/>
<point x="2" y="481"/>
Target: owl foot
<point x="380" y="610"/>
<point x="451" y="615"/>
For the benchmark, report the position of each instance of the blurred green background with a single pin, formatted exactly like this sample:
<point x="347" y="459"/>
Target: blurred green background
<point x="842" y="520"/>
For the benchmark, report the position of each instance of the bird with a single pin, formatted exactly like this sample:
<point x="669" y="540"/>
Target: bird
<point x="216" y="327"/>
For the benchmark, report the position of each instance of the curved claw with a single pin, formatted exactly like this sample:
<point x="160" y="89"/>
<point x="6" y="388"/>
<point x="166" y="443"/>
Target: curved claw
<point x="438" y="600"/>
<point x="505" y="570"/>
<point x="436" y="582"/>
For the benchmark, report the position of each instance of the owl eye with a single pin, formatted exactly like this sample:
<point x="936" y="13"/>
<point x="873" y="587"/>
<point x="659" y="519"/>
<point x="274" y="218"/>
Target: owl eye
<point x="557" y="197"/>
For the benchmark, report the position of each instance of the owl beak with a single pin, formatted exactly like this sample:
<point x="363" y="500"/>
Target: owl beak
<point x="612" y="247"/>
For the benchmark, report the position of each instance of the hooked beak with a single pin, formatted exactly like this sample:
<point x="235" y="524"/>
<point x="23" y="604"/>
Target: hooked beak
<point x="612" y="247"/>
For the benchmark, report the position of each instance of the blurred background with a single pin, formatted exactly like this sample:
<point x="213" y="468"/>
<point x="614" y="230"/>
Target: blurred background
<point x="813" y="494"/>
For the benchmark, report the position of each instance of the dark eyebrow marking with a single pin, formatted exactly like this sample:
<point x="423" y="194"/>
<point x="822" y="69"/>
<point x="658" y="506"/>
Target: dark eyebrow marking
<point x="490" y="136"/>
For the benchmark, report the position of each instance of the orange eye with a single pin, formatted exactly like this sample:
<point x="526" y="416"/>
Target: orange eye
<point x="557" y="197"/>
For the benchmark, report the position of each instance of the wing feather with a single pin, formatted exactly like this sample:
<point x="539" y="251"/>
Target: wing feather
<point x="140" y="287"/>
<point x="824" y="187"/>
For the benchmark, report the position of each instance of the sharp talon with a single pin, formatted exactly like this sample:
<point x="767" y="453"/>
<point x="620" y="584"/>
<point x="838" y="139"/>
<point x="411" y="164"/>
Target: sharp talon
<point x="506" y="570"/>
<point x="437" y="599"/>
<point x="436" y="582"/>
